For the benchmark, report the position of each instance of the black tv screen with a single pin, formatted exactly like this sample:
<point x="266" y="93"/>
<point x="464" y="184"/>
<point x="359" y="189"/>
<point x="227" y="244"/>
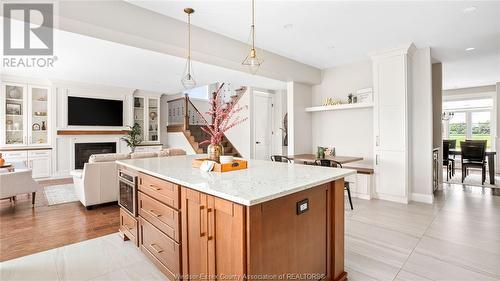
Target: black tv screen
<point x="94" y="112"/>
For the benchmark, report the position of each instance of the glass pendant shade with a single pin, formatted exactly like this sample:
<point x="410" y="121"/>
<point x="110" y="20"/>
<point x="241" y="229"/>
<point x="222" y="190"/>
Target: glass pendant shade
<point x="252" y="61"/>
<point x="187" y="80"/>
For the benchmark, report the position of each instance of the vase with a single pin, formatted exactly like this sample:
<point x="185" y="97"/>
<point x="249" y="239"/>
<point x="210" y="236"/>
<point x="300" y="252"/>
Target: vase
<point x="214" y="152"/>
<point x="2" y="161"/>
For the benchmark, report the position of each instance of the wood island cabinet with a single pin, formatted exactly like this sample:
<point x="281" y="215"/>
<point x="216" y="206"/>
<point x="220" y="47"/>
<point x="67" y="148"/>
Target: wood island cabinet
<point x="189" y="234"/>
<point x="213" y="236"/>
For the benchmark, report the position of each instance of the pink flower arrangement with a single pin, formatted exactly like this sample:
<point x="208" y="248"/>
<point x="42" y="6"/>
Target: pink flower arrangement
<point x="223" y="117"/>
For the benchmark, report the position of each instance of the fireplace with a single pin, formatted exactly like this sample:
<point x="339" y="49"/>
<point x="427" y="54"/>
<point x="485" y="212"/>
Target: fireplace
<point x="84" y="150"/>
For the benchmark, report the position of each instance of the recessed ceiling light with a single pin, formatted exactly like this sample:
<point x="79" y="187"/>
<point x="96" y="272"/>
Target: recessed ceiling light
<point x="470" y="49"/>
<point x="288" y="26"/>
<point x="469" y="9"/>
<point x="331" y="47"/>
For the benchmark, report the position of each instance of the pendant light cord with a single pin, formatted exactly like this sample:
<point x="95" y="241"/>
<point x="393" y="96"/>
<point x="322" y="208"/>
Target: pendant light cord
<point x="189" y="44"/>
<point x="253" y="24"/>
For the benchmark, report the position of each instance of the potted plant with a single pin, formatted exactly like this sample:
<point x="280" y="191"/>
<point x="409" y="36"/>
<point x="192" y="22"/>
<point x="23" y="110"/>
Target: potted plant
<point x="133" y="138"/>
<point x="223" y="118"/>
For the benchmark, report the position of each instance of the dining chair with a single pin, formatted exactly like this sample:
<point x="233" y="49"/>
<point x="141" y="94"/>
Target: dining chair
<point x="333" y="163"/>
<point x="447" y="161"/>
<point x="473" y="156"/>
<point x="453" y="145"/>
<point x="280" y="158"/>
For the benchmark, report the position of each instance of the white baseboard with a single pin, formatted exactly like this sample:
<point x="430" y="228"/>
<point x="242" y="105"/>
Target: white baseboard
<point x="423" y="198"/>
<point x="392" y="198"/>
<point x="361" y="196"/>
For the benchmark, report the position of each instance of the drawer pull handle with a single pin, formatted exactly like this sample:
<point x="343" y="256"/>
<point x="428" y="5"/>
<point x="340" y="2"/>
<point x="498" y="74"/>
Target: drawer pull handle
<point x="154" y="187"/>
<point x="154" y="246"/>
<point x="154" y="213"/>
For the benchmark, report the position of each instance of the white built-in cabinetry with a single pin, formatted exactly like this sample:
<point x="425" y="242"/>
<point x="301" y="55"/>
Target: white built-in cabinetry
<point x="147" y="115"/>
<point x="25" y="115"/>
<point x="392" y="89"/>
<point x="39" y="160"/>
<point x="26" y="125"/>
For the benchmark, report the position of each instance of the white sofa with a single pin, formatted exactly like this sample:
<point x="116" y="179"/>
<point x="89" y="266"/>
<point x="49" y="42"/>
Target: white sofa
<point x="17" y="182"/>
<point x="97" y="183"/>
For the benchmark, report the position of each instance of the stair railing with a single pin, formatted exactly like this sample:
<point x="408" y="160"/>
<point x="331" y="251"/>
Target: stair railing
<point x="183" y="115"/>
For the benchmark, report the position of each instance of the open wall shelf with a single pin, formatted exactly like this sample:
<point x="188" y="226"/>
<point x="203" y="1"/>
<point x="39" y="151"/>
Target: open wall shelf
<point x="339" y="107"/>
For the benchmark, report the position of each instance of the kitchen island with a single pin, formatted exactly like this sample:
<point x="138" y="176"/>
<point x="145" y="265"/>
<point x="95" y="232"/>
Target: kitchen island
<point x="272" y="221"/>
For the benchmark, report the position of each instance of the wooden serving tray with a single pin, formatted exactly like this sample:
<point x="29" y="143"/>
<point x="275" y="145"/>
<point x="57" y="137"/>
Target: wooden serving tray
<point x="238" y="164"/>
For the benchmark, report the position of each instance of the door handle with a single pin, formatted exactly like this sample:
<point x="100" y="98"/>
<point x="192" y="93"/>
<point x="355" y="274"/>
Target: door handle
<point x="376" y="159"/>
<point x="202" y="227"/>
<point x="210" y="236"/>
<point x="257" y="142"/>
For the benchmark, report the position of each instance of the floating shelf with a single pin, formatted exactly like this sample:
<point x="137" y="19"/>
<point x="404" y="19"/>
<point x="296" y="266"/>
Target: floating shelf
<point x="339" y="107"/>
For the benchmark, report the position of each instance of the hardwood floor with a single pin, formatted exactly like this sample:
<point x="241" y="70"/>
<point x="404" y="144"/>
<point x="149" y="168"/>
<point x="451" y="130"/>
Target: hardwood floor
<point x="25" y="230"/>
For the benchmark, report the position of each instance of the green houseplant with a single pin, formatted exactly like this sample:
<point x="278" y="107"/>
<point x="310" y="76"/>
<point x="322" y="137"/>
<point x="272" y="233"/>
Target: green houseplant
<point x="133" y="138"/>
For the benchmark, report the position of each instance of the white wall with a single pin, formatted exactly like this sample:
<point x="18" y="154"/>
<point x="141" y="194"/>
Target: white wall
<point x="349" y="131"/>
<point x="178" y="140"/>
<point x="299" y="121"/>
<point x="437" y="109"/>
<point x="280" y="109"/>
<point x="421" y="126"/>
<point x="240" y="136"/>
<point x="497" y="137"/>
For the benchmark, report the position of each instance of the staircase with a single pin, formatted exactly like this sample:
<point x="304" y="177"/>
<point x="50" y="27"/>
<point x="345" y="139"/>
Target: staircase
<point x="188" y="122"/>
<point x="196" y="135"/>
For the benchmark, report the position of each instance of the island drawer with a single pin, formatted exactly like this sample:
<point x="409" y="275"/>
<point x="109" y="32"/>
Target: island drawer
<point x="160" y="215"/>
<point x="128" y="226"/>
<point x="163" y="191"/>
<point x="160" y="248"/>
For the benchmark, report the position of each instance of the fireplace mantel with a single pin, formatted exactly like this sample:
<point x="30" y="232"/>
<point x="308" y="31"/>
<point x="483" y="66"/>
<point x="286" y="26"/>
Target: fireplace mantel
<point x="89" y="132"/>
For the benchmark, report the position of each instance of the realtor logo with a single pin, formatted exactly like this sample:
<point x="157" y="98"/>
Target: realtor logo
<point x="28" y="29"/>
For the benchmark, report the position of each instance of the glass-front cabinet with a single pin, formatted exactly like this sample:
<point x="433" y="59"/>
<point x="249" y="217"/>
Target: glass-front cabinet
<point x="139" y="113"/>
<point x="147" y="115"/>
<point x="153" y="119"/>
<point x="25" y="115"/>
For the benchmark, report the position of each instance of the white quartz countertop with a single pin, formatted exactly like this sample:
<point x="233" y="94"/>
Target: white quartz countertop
<point x="261" y="182"/>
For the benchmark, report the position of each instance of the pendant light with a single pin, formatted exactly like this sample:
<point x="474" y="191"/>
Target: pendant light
<point x="252" y="60"/>
<point x="187" y="80"/>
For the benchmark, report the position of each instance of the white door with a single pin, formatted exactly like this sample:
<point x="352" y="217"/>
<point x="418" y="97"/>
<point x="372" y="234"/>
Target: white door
<point x="263" y="120"/>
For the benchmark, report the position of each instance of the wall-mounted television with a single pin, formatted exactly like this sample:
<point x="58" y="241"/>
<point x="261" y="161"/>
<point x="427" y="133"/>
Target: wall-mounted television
<point x="94" y="112"/>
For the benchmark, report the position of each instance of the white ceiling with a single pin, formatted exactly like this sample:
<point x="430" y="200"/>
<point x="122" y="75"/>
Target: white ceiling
<point x="306" y="30"/>
<point x="90" y="60"/>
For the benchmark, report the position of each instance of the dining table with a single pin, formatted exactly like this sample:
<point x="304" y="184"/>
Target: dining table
<point x="337" y="158"/>
<point x="490" y="156"/>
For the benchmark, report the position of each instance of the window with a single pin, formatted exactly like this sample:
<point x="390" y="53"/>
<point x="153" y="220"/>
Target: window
<point x="480" y="126"/>
<point x="458" y="127"/>
<point x="471" y="119"/>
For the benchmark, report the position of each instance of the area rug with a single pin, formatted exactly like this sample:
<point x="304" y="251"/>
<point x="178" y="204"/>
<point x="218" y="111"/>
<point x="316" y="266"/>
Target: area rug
<point x="59" y="194"/>
<point x="472" y="179"/>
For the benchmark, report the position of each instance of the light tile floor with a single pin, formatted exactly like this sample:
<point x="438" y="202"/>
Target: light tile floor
<point x="456" y="238"/>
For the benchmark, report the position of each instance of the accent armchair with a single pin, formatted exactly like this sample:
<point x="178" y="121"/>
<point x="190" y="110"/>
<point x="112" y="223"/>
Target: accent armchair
<point x="16" y="183"/>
